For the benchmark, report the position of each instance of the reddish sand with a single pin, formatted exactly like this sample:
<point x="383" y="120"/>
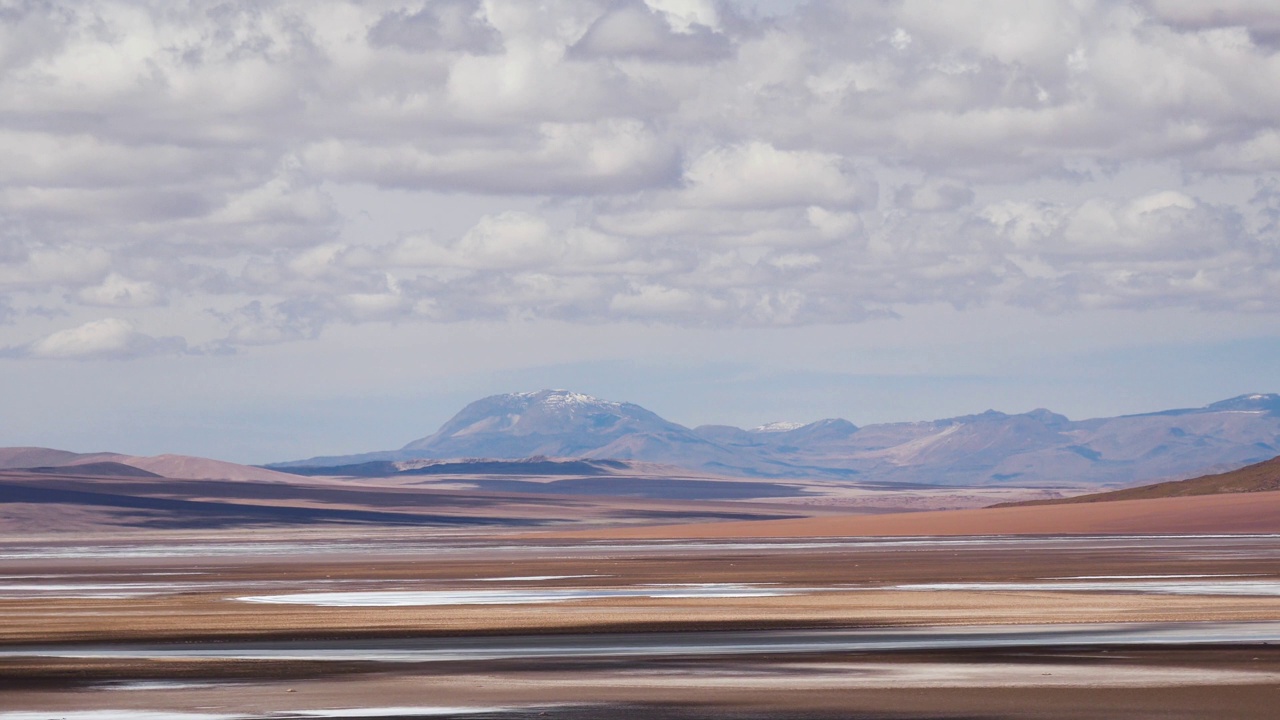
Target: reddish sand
<point x="1243" y="513"/>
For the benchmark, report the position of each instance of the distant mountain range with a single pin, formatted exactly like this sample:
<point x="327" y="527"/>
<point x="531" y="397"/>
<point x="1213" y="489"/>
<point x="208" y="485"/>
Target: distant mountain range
<point x="1259" y="477"/>
<point x="1033" y="448"/>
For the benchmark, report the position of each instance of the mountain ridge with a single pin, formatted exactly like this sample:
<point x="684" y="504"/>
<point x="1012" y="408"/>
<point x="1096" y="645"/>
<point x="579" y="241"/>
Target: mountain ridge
<point x="1038" y="447"/>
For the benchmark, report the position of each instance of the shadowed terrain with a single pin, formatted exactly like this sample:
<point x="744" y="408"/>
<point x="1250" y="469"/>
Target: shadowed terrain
<point x="107" y="494"/>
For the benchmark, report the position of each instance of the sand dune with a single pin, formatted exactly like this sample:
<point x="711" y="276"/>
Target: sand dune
<point x="1243" y="513"/>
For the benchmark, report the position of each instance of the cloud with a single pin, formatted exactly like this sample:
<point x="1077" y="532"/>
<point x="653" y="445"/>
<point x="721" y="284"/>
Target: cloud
<point x="672" y="161"/>
<point x="43" y="266"/>
<point x="256" y="323"/>
<point x="1259" y="16"/>
<point x="608" y="156"/>
<point x="119" y="291"/>
<point x="1157" y="227"/>
<point x="107" y="339"/>
<point x="933" y="196"/>
<point x="758" y="175"/>
<point x="456" y="25"/>
<point x="634" y="29"/>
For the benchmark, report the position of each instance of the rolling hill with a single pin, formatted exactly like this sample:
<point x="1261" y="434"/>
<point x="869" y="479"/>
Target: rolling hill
<point x="178" y="467"/>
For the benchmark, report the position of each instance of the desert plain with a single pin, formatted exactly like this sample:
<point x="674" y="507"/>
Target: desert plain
<point x="330" y="598"/>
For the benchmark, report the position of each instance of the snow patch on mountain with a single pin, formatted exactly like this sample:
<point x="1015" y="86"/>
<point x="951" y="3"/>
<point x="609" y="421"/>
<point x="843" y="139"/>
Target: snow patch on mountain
<point x="567" y="400"/>
<point x="774" y="427"/>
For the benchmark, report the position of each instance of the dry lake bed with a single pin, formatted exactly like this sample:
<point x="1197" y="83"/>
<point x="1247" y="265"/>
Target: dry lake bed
<point x="423" y="624"/>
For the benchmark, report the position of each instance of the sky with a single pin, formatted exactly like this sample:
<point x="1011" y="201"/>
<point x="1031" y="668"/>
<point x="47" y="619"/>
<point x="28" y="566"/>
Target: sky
<point x="261" y="231"/>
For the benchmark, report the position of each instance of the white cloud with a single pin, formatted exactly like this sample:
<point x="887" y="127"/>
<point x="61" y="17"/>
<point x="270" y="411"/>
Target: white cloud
<point x="509" y="240"/>
<point x="1157" y="227"/>
<point x="679" y="161"/>
<point x="650" y="301"/>
<point x="43" y="267"/>
<point x="758" y="175"/>
<point x="119" y="291"/>
<point x="110" y="338"/>
<point x="688" y="16"/>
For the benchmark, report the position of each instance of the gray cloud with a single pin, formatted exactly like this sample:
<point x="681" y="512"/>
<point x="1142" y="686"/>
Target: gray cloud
<point x="457" y="25"/>
<point x="933" y="196"/>
<point x="632" y="29"/>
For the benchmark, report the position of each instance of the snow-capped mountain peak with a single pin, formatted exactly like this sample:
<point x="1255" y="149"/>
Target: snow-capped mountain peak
<point x="991" y="447"/>
<point x="566" y="400"/>
<point x="779" y="426"/>
<point x="554" y="423"/>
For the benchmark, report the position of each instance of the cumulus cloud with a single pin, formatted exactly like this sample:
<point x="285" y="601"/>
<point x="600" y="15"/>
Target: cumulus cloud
<point x="107" y="339"/>
<point x="458" y="25"/>
<point x="674" y="161"/>
<point x="608" y="156"/>
<point x="933" y="196"/>
<point x="118" y="291"/>
<point x="654" y="31"/>
<point x="38" y="266"/>
<point x="1259" y="17"/>
<point x="758" y="175"/>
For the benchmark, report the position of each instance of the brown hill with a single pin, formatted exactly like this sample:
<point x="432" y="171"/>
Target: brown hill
<point x="29" y="457"/>
<point x="95" y="469"/>
<point x="1237" y="513"/>
<point x="183" y="467"/>
<point x="1261" y="477"/>
<point x="186" y="467"/>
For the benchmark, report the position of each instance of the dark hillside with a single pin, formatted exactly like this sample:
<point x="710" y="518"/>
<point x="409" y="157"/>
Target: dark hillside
<point x="1261" y="477"/>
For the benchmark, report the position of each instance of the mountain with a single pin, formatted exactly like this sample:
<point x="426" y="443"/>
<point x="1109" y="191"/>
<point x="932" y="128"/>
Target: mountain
<point x="563" y="424"/>
<point x="551" y="423"/>
<point x="1036" y="448"/>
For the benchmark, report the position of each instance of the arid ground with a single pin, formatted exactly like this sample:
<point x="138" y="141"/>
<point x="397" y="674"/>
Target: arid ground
<point x="396" y="622"/>
<point x="127" y="596"/>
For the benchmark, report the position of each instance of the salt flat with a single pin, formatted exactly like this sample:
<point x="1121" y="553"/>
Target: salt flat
<point x="504" y="626"/>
